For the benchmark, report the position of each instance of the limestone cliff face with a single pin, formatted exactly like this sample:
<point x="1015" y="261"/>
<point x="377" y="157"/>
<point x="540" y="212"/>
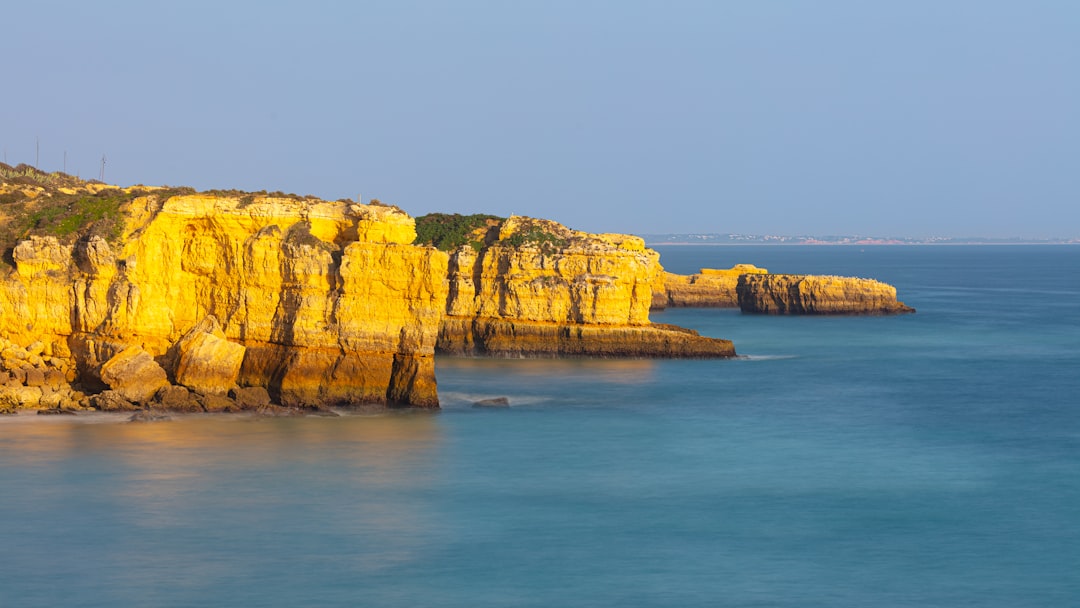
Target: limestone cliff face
<point x="542" y="289"/>
<point x="712" y="287"/>
<point x="821" y="295"/>
<point x="323" y="303"/>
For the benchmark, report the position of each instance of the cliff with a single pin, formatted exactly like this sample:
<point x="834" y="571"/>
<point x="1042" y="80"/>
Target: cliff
<point x="536" y="288"/>
<point x="144" y="297"/>
<point x="712" y="287"/>
<point x="322" y="303"/>
<point x="816" y="295"/>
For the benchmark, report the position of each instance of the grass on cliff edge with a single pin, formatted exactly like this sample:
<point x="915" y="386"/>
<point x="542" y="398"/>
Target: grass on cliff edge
<point x="52" y="212"/>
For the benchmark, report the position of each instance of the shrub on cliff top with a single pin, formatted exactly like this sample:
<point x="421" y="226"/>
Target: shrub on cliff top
<point x="535" y="236"/>
<point x="448" y="231"/>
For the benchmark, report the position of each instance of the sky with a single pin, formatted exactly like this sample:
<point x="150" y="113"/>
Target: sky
<point x="911" y="119"/>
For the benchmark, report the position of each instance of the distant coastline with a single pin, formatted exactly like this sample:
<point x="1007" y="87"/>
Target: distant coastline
<point x="745" y="239"/>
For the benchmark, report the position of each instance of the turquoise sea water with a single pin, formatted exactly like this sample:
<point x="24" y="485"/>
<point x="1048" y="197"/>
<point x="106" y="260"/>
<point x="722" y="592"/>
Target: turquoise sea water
<point x="921" y="460"/>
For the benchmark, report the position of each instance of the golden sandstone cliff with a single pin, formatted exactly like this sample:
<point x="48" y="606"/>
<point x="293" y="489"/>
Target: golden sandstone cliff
<point x="320" y="303"/>
<point x="537" y="288"/>
<point x="816" y="295"/>
<point x="126" y="299"/>
<point x="176" y="300"/>
<point x="711" y="287"/>
<point x="755" y="290"/>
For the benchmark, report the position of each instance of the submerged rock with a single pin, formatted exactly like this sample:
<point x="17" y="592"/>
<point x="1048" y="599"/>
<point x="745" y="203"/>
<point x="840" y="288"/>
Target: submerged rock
<point x="55" y="412"/>
<point x="148" y="416"/>
<point x="494" y="402"/>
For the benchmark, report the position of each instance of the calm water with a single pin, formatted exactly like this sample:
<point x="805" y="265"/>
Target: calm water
<point x="923" y="460"/>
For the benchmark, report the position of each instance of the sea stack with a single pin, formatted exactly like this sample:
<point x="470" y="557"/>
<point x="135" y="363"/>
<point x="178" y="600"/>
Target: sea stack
<point x="794" y="294"/>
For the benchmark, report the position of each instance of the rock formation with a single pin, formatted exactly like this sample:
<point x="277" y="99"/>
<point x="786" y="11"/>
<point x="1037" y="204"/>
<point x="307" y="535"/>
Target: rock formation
<point x="816" y="295"/>
<point x="540" y="289"/>
<point x="322" y="303"/>
<point x="712" y="287"/>
<point x="152" y="299"/>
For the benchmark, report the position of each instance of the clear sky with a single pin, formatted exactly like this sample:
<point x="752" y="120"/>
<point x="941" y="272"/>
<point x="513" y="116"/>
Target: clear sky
<point x="914" y="118"/>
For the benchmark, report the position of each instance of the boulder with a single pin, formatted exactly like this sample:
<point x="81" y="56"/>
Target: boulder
<point x="217" y="403"/>
<point x="134" y="375"/>
<point x="206" y="361"/>
<point x="35" y="377"/>
<point x="111" y="401"/>
<point x="250" y="397"/>
<point x="55" y="378"/>
<point x="51" y="400"/>
<point x="175" y="399"/>
<point x="8" y="401"/>
<point x="495" y="402"/>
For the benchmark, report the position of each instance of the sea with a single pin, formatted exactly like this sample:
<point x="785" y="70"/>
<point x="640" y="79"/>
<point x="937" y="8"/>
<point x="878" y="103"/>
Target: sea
<point x="930" y="459"/>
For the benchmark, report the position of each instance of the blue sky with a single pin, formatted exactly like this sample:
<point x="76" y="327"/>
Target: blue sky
<point x="916" y="118"/>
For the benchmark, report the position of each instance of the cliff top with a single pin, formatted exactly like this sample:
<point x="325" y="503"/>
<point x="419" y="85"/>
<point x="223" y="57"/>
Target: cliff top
<point x="36" y="203"/>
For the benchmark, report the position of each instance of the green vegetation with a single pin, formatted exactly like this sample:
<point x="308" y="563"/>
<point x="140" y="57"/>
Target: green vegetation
<point x="448" y="231"/>
<point x="64" y="216"/>
<point x="536" y="236"/>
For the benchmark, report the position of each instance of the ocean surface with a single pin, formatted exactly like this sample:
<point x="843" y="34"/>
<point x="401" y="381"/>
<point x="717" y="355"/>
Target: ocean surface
<point x="921" y="460"/>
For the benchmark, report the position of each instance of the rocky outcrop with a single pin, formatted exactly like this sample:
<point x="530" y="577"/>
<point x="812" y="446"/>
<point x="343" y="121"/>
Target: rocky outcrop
<point x="540" y="289"/>
<point x="32" y="377"/>
<point x="712" y="287"/>
<point x="322" y="303"/>
<point x="816" y="295"/>
<point x="229" y="301"/>
<point x="505" y="338"/>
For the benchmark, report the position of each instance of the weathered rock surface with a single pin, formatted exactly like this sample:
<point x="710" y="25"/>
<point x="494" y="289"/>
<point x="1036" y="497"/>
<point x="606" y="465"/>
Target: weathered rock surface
<point x="712" y="287"/>
<point x="506" y="338"/>
<point x="322" y="303"/>
<point x="233" y="301"/>
<point x="543" y="290"/>
<point x="134" y="375"/>
<point x="175" y="399"/>
<point x="30" y="380"/>
<point x="816" y="295"/>
<point x="250" y="398"/>
<point x="206" y="361"/>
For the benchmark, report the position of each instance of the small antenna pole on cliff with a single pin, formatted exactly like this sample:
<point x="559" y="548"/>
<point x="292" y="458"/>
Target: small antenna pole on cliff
<point x="37" y="151"/>
<point x="65" y="162"/>
<point x="102" y="178"/>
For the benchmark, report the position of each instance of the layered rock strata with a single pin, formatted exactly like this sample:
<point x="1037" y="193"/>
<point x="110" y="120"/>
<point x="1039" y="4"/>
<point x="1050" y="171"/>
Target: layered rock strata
<point x="322" y="303"/>
<point x="712" y="288"/>
<point x="539" y="289"/>
<point x="790" y="294"/>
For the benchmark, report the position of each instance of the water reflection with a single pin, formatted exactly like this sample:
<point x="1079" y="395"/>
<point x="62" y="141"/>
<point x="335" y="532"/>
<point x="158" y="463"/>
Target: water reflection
<point x="616" y="371"/>
<point x="184" y="491"/>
